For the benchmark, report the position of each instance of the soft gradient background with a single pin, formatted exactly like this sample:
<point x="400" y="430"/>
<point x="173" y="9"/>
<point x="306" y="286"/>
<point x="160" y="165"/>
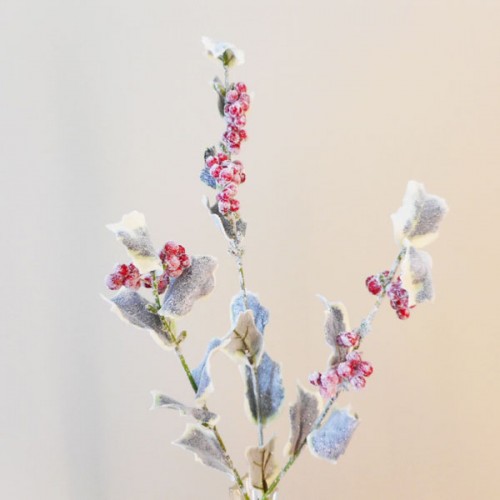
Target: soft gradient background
<point x="106" y="107"/>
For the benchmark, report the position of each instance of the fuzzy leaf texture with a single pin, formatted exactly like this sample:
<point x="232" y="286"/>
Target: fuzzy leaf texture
<point x="205" y="447"/>
<point x="195" y="282"/>
<point x="244" y="341"/>
<point x="336" y="322"/>
<point x="133" y="233"/>
<point x="416" y="276"/>
<point x="270" y="385"/>
<point x="303" y="414"/>
<point x="331" y="440"/>
<point x="234" y="229"/>
<point x="260" y="313"/>
<point x="263" y="467"/>
<point x="201" y="373"/>
<point x="418" y="219"/>
<point x="201" y="414"/>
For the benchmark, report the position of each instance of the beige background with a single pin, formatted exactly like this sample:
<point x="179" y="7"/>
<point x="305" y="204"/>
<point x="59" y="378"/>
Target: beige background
<point x="106" y="107"/>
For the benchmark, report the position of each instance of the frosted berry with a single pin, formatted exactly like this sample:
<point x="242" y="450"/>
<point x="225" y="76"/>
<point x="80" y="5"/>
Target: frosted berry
<point x="348" y="339"/>
<point x="373" y="284"/>
<point x="240" y="87"/>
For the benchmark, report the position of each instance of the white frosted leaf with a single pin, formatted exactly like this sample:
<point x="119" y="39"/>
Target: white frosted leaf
<point x="162" y="401"/>
<point x="201" y="373"/>
<point x="418" y="219"/>
<point x="226" y="52"/>
<point x="133" y="233"/>
<point x="270" y="389"/>
<point x="416" y="276"/>
<point x="204" y="445"/>
<point x="133" y="308"/>
<point x="263" y="467"/>
<point x="260" y="313"/>
<point x="244" y="341"/>
<point x="233" y="227"/>
<point x="303" y="415"/>
<point x="195" y="282"/>
<point x="331" y="440"/>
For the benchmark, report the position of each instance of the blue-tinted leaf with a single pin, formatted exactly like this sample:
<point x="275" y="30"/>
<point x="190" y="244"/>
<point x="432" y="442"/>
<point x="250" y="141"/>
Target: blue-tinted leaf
<point x="260" y="313"/>
<point x="232" y="226"/>
<point x="331" y="440"/>
<point x="201" y="373"/>
<point x="195" y="282"/>
<point x="270" y="388"/>
<point x="207" y="178"/>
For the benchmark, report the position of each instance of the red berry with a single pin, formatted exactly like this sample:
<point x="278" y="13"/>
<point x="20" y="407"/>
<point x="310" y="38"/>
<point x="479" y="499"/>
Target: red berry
<point x="232" y="96"/>
<point x="114" y="281"/>
<point x="234" y="205"/>
<point x="163" y="282"/>
<point x="224" y="207"/>
<point x="243" y="135"/>
<point x="222" y="157"/>
<point x="344" y="370"/>
<point x="210" y="161"/>
<point x="348" y="339"/>
<point x="373" y="285"/>
<point x="365" y="368"/>
<point x="173" y="262"/>
<point x="185" y="261"/>
<point x="403" y="313"/>
<point x="240" y="87"/>
<point x="147" y="281"/>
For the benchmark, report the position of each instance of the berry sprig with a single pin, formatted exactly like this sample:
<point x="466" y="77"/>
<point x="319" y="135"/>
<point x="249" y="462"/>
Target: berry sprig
<point x="236" y="105"/>
<point x="399" y="297"/>
<point x="174" y="259"/>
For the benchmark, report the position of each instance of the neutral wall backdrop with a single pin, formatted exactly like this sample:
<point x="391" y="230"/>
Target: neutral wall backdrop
<point x="106" y="107"/>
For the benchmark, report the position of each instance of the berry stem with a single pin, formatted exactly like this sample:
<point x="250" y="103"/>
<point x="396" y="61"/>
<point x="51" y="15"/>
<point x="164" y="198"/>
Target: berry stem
<point x="364" y="329"/>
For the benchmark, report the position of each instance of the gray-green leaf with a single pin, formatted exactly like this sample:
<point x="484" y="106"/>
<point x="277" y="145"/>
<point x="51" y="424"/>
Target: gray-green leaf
<point x="270" y="389"/>
<point x="336" y="322"/>
<point x="244" y="341"/>
<point x="162" y="401"/>
<point x="133" y="308"/>
<point x="133" y="233"/>
<point x="303" y="415"/>
<point x="195" y="282"/>
<point x="416" y="276"/>
<point x="418" y="219"/>
<point x="331" y="440"/>
<point x="263" y="467"/>
<point x="205" y="447"/>
<point x="233" y="227"/>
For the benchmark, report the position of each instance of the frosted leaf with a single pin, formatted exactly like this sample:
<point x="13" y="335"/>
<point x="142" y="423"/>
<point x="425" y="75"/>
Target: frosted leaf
<point x="162" y="401"/>
<point x="419" y="217"/>
<point x="270" y="388"/>
<point x="228" y="53"/>
<point x="201" y="373"/>
<point x="263" y="467"/>
<point x="303" y="415"/>
<point x="207" y="178"/>
<point x="331" y="440"/>
<point x="133" y="233"/>
<point x="195" y="282"/>
<point x="232" y="226"/>
<point x="336" y="321"/>
<point x="244" y="341"/>
<point x="205" y="447"/>
<point x="133" y="308"/>
<point x="416" y="276"/>
<point x="260" y="313"/>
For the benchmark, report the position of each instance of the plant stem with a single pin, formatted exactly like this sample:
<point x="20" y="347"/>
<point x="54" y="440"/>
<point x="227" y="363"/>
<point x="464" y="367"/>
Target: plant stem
<point x="194" y="386"/>
<point x="364" y="328"/>
<point x="239" y="262"/>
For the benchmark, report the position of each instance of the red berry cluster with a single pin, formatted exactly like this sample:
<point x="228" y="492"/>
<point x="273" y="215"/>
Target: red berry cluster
<point x="396" y="293"/>
<point x="124" y="275"/>
<point x="228" y="175"/>
<point x="236" y="104"/>
<point x="399" y="299"/>
<point x="174" y="259"/>
<point x="354" y="370"/>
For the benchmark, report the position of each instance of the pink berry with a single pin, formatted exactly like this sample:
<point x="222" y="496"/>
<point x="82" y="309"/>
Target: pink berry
<point x="241" y="121"/>
<point x="240" y="87"/>
<point x="222" y="157"/>
<point x="243" y="134"/>
<point x="173" y="262"/>
<point x="224" y="207"/>
<point x="185" y="261"/>
<point x="234" y="205"/>
<point x="344" y="370"/>
<point x="365" y="368"/>
<point x="163" y="283"/>
<point x="210" y="161"/>
<point x="358" y="381"/>
<point x="175" y="274"/>
<point x="232" y="96"/>
<point x="234" y="110"/>
<point x="147" y="281"/>
<point x="171" y="247"/>
<point x="114" y="281"/>
<point x="226" y="174"/>
<point x="133" y="279"/>
<point x="373" y="285"/>
<point x="215" y="171"/>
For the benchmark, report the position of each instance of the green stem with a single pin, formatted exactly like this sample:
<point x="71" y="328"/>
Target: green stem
<point x="364" y="328"/>
<point x="194" y="386"/>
